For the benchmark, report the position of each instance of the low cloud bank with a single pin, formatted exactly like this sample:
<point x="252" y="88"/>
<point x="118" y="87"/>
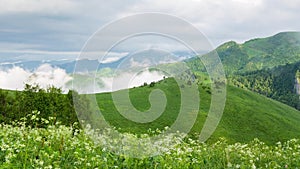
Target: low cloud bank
<point x="45" y="75"/>
<point x="89" y="83"/>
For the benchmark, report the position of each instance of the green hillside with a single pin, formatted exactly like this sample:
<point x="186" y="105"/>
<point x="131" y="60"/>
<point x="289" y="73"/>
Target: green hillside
<point x="257" y="54"/>
<point x="247" y="115"/>
<point x="277" y="83"/>
<point x="266" y="66"/>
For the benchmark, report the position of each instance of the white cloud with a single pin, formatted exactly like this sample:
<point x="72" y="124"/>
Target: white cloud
<point x="67" y="24"/>
<point x="13" y="78"/>
<point x="228" y="20"/>
<point x="112" y="57"/>
<point x="37" y="6"/>
<point x="145" y="76"/>
<point x="45" y="76"/>
<point x="42" y="52"/>
<point x="199" y="11"/>
<point x="15" y="46"/>
<point x="127" y="80"/>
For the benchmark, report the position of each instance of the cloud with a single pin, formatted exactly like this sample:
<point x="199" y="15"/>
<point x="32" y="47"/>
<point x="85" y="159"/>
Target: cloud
<point x="112" y="57"/>
<point x="228" y="20"/>
<point x="65" y="25"/>
<point x="58" y="29"/>
<point x="59" y="25"/>
<point x="40" y="52"/>
<point x="13" y="78"/>
<point x="121" y="81"/>
<point x="45" y="75"/>
<point x="129" y="80"/>
<point x="36" y="6"/>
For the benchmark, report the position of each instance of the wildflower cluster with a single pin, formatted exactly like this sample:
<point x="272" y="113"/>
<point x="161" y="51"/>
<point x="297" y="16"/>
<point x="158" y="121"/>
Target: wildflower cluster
<point x="59" y="146"/>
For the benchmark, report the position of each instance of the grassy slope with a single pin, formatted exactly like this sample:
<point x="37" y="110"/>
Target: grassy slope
<point x="247" y="115"/>
<point x="139" y="98"/>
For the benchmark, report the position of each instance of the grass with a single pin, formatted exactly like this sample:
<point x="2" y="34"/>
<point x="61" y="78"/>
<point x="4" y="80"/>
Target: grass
<point x="139" y="99"/>
<point x="247" y="115"/>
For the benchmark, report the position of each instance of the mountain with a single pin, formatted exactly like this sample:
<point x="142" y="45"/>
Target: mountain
<point x="146" y="57"/>
<point x="247" y="115"/>
<point x="68" y="64"/>
<point x="267" y="66"/>
<point x="257" y="54"/>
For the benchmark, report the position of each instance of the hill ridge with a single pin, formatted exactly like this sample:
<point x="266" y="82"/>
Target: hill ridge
<point x="256" y="54"/>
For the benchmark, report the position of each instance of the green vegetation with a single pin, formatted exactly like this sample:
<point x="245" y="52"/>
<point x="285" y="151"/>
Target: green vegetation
<point x="38" y="140"/>
<point x="15" y="105"/>
<point x="139" y="98"/>
<point x="247" y="115"/>
<point x="267" y="66"/>
<point x="58" y="146"/>
<point x="278" y="83"/>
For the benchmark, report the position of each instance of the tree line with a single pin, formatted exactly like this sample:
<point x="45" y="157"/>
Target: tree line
<point x="50" y="102"/>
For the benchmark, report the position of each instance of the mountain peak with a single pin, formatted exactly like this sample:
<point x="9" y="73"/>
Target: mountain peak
<point x="228" y="44"/>
<point x="260" y="53"/>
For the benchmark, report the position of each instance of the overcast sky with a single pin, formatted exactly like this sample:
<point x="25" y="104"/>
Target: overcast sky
<point x="60" y="28"/>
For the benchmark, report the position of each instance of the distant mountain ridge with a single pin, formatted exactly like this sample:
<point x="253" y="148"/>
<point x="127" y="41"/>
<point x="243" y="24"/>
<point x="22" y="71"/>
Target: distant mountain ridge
<point x="257" y="54"/>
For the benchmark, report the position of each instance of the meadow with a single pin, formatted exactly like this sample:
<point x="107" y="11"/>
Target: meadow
<point x="59" y="146"/>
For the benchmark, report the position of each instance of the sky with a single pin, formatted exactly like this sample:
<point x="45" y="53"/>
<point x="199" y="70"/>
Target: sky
<point x="46" y="30"/>
<point x="35" y="29"/>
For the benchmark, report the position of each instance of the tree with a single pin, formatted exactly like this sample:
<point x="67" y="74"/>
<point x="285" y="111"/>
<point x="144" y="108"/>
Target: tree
<point x="50" y="102"/>
<point x="152" y="84"/>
